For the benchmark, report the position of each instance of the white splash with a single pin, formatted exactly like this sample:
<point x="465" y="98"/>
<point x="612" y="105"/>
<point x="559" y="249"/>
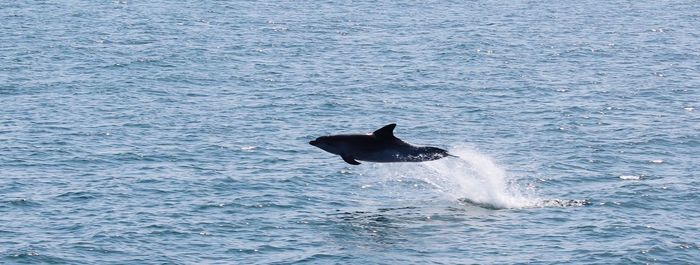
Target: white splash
<point x="476" y="178"/>
<point x="630" y="177"/>
<point x="471" y="177"/>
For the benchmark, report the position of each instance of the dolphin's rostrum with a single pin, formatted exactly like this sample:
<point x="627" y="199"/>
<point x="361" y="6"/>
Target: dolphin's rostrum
<point x="379" y="146"/>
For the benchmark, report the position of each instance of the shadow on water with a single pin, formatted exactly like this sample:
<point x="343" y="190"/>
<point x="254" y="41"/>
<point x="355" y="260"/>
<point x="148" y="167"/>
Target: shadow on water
<point x="382" y="226"/>
<point x="385" y="228"/>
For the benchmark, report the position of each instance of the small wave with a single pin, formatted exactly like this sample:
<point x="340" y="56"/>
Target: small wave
<point x="564" y="203"/>
<point x="77" y="195"/>
<point x="31" y="256"/>
<point x="479" y="204"/>
<point x="21" y="202"/>
<point x="536" y="204"/>
<point x="630" y="177"/>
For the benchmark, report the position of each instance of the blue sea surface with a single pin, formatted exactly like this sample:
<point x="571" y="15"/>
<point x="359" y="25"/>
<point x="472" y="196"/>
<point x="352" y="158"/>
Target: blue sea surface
<point x="176" y="132"/>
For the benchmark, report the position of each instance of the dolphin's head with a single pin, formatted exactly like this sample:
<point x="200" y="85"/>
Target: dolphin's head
<point x="327" y="143"/>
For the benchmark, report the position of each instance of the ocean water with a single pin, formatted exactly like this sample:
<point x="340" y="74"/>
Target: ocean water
<point x="176" y="132"/>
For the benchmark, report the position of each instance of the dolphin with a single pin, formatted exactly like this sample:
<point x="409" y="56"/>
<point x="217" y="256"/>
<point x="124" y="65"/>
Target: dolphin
<point x="380" y="146"/>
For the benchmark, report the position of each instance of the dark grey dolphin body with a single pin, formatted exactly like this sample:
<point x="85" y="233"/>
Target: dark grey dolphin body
<point x="379" y="146"/>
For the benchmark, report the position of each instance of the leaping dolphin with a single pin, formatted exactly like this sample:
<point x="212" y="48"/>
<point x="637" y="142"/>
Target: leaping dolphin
<point x="379" y="146"/>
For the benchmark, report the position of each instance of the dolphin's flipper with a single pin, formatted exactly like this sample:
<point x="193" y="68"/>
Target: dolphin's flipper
<point x="349" y="160"/>
<point x="386" y="132"/>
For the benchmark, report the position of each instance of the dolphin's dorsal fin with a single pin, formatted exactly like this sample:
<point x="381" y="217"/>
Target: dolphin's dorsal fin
<point x="386" y="132"/>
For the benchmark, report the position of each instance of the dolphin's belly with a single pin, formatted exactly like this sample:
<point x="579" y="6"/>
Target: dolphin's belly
<point x="381" y="156"/>
<point x="397" y="155"/>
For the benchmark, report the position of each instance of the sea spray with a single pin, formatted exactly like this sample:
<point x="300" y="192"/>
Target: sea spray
<point x="474" y="177"/>
<point x="471" y="177"/>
